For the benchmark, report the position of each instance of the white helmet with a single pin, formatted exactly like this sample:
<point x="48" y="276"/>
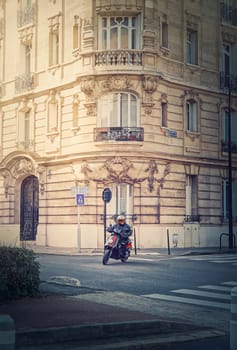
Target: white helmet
<point x="121" y="218"/>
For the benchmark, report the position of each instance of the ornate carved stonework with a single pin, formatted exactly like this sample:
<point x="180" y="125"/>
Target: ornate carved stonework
<point x="6" y="182"/>
<point x="26" y="35"/>
<point x="117" y="83"/>
<point x="88" y="86"/>
<point x="41" y="172"/>
<point x="120" y="170"/>
<point x="90" y="108"/>
<point x="149" y="85"/>
<point x="22" y="166"/>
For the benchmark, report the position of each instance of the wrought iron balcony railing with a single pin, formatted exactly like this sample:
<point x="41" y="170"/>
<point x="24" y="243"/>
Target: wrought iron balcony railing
<point x="228" y="81"/>
<point x="192" y="218"/>
<point x="23" y="82"/>
<point x="119" y="134"/>
<point x="225" y="146"/>
<point x="26" y="16"/>
<point x="229" y="14"/>
<point x="118" y="57"/>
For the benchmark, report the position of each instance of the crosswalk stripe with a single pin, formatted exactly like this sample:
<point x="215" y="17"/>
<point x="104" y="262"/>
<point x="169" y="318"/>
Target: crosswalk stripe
<point x="203" y="293"/>
<point x="224" y="261"/>
<point x="230" y="283"/>
<point x="219" y="288"/>
<point x="188" y="301"/>
<point x="141" y="259"/>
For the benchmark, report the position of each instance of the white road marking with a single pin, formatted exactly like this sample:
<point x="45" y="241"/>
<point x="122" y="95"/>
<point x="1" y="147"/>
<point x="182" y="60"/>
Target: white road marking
<point x="219" y="288"/>
<point x="188" y="301"/>
<point x="203" y="293"/>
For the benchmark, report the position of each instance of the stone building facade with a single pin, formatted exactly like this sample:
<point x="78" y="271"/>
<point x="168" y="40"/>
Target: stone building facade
<point x="129" y="95"/>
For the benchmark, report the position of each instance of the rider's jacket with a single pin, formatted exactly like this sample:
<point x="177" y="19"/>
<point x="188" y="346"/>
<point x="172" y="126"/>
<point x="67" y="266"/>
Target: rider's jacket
<point x="124" y="230"/>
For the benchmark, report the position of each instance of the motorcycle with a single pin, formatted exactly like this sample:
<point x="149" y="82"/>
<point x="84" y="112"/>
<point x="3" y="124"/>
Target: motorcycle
<point x="115" y="248"/>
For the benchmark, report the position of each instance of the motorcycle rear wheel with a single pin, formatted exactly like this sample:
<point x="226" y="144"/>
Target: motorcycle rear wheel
<point x="106" y="256"/>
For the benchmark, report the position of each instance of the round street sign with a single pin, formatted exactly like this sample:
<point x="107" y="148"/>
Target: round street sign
<point x="107" y="195"/>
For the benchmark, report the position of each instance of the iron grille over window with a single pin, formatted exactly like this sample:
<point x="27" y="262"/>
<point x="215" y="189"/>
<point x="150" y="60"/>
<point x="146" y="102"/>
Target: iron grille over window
<point x="228" y="14"/>
<point x="25" y="16"/>
<point x="228" y="81"/>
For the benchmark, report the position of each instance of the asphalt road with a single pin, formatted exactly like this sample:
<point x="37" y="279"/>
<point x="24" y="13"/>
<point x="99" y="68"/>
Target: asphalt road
<point x="196" y="289"/>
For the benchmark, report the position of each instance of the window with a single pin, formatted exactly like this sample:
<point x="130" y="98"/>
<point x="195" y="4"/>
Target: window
<point x="121" y="201"/>
<point x="225" y="200"/>
<point x="28" y="49"/>
<point x="75" y="111"/>
<point x="119" y="33"/>
<point x="24" y="130"/>
<point x="52" y="117"/>
<point x="118" y="110"/>
<point x="25" y="13"/>
<point x="53" y="48"/>
<point x="192" y="115"/>
<point x="164" y="114"/>
<point x="229" y="62"/>
<point x="192" y="198"/>
<point x="225" y="128"/>
<point x="164" y="34"/>
<point x="76" y="33"/>
<point x="192" y="46"/>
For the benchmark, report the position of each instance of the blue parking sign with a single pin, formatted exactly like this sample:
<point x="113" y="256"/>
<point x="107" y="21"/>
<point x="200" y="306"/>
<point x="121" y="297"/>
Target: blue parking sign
<point x="80" y="199"/>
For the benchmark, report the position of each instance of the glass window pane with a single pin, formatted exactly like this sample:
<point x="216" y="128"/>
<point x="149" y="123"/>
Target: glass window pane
<point x="113" y="117"/>
<point x="124" y="110"/>
<point x="234" y="127"/>
<point x="104" y="39"/>
<point x="133" y="111"/>
<point x="124" y="38"/>
<point x="114" y="38"/>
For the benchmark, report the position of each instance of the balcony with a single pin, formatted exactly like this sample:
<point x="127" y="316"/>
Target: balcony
<point x="119" y="134"/>
<point x="228" y="14"/>
<point x="26" y="16"/>
<point x="228" y="81"/>
<point x="191" y="218"/>
<point x="23" y="82"/>
<point x="118" y="57"/>
<point x="225" y="146"/>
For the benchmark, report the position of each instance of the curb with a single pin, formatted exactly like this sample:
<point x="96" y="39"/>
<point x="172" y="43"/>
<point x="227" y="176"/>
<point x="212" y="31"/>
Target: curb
<point x="100" y="330"/>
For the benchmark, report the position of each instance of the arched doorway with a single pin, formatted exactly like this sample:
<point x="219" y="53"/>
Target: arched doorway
<point x="29" y="208"/>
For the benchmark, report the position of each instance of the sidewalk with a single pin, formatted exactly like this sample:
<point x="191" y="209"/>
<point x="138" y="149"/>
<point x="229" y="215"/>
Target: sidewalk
<point x="156" y="252"/>
<point x="57" y="316"/>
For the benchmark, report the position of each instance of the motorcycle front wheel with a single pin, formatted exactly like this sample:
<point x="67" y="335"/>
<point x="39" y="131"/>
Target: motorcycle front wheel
<point x="125" y="258"/>
<point x="106" y="256"/>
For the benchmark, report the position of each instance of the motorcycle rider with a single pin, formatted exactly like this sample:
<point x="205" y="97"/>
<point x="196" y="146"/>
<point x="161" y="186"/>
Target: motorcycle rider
<point x="122" y="227"/>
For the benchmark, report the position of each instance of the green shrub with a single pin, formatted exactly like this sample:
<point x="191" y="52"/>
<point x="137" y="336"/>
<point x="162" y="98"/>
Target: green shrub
<point x="19" y="273"/>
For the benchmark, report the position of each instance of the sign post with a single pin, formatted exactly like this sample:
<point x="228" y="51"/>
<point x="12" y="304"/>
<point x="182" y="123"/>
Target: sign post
<point x="106" y="196"/>
<point x="80" y="201"/>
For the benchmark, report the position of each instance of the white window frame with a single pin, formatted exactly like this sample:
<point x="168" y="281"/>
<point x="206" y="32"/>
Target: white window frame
<point x="112" y="110"/>
<point x="225" y="200"/>
<point x="192" y="46"/>
<point x="192" y="195"/>
<point x="105" y="30"/>
<point x="164" y="35"/>
<point x="225" y="123"/>
<point x="24" y="129"/>
<point x="229" y="59"/>
<point x="122" y="199"/>
<point x="192" y="115"/>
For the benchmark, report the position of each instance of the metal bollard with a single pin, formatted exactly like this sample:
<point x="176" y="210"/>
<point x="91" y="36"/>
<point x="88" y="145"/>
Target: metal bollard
<point x="7" y="333"/>
<point x="233" y="321"/>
